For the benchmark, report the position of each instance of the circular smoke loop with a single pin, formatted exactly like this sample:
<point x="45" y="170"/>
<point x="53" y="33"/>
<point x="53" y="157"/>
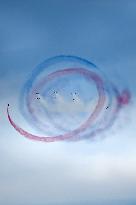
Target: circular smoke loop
<point x="69" y="98"/>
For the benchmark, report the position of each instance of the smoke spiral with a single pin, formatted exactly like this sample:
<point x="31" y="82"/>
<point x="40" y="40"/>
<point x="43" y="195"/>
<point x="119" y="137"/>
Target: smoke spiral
<point x="69" y="98"/>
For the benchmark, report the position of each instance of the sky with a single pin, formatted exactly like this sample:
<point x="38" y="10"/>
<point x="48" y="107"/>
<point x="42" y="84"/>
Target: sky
<point x="99" y="172"/>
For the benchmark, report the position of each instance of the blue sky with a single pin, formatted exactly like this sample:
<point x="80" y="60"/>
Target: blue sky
<point x="96" y="173"/>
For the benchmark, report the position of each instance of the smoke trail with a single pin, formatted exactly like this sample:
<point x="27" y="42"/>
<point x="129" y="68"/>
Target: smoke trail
<point x="69" y="98"/>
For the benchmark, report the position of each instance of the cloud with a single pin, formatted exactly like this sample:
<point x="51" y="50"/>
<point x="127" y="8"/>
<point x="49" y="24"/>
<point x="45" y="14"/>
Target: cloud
<point x="100" y="172"/>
